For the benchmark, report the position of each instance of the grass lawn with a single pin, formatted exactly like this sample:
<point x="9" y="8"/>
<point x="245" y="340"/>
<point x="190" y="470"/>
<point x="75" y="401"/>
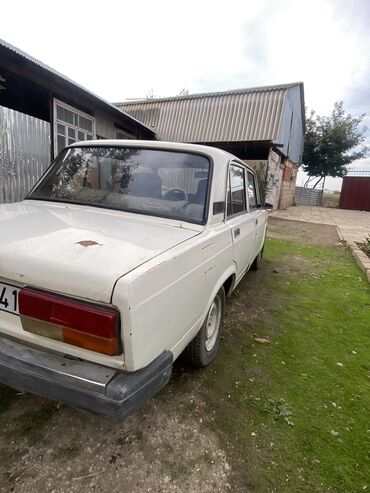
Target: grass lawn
<point x="294" y="415"/>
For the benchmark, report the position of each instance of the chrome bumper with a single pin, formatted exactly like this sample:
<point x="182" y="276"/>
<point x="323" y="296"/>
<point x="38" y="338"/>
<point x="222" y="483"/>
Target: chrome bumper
<point x="81" y="384"/>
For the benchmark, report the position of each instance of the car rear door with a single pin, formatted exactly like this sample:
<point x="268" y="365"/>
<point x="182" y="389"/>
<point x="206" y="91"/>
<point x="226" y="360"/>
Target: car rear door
<point x="240" y="222"/>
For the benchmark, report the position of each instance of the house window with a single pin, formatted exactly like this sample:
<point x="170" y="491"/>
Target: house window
<point x="71" y="125"/>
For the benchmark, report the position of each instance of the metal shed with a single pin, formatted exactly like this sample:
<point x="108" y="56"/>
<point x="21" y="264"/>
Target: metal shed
<point x="270" y="115"/>
<point x="261" y="125"/>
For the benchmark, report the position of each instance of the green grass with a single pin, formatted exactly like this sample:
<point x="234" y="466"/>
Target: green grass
<point x="295" y="414"/>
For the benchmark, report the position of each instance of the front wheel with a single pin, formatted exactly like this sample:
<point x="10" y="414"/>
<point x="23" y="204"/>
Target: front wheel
<point x="202" y="350"/>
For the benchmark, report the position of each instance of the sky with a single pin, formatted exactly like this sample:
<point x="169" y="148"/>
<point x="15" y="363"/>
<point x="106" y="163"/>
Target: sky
<point x="121" y="50"/>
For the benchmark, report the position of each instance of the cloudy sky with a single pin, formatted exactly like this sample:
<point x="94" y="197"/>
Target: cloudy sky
<point x="123" y="50"/>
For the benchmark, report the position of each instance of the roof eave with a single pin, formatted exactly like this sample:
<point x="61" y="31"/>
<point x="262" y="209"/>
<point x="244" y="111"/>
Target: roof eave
<point x="277" y="87"/>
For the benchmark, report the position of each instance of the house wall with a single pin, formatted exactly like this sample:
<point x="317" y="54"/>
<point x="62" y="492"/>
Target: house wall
<point x="288" y="184"/>
<point x="105" y="127"/>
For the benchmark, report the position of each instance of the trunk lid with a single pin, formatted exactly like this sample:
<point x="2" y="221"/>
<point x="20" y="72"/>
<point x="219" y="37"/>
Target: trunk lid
<point x="80" y="250"/>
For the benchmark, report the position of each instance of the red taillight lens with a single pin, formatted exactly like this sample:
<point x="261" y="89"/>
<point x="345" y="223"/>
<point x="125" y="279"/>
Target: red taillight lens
<point x="81" y="324"/>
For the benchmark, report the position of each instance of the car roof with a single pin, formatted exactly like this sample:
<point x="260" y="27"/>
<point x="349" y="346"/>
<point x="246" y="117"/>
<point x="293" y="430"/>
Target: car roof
<point x="213" y="152"/>
<point x="153" y="144"/>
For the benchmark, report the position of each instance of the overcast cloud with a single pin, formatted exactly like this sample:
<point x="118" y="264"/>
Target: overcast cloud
<point x="125" y="50"/>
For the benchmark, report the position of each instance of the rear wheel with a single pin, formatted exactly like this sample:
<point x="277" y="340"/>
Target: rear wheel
<point x="203" y="348"/>
<point x="257" y="261"/>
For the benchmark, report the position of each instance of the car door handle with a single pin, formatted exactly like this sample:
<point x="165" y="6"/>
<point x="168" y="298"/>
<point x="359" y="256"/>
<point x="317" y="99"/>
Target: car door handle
<point x="256" y="222"/>
<point x="236" y="232"/>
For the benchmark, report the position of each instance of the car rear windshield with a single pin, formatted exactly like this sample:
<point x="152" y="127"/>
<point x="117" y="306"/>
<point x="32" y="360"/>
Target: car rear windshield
<point x="146" y="181"/>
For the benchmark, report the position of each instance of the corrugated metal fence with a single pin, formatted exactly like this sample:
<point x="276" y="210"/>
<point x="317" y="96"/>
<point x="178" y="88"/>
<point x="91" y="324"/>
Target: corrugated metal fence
<point x="307" y="196"/>
<point x="24" y="153"/>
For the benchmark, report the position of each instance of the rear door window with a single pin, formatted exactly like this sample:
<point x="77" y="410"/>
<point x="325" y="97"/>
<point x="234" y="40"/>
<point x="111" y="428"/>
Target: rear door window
<point x="236" y="199"/>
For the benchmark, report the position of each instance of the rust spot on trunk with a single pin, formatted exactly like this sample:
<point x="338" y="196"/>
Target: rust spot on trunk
<point x="87" y="243"/>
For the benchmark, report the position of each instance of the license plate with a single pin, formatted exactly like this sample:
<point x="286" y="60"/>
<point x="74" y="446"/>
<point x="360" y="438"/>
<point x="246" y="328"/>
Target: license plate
<point x="9" y="298"/>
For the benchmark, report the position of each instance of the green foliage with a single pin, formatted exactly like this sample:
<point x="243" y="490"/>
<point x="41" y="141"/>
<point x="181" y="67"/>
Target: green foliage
<point x="332" y="143"/>
<point x="365" y="246"/>
<point x="280" y="409"/>
<point x="266" y="180"/>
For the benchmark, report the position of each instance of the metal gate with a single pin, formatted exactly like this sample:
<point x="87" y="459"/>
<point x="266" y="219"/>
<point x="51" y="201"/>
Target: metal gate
<point x="355" y="193"/>
<point x="307" y="196"/>
<point x="24" y="153"/>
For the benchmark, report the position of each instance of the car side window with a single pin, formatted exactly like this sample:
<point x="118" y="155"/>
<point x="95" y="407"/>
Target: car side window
<point x="236" y="199"/>
<point x="252" y="192"/>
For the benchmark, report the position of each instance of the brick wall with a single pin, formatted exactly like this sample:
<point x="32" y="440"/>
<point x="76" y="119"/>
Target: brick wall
<point x="288" y="184"/>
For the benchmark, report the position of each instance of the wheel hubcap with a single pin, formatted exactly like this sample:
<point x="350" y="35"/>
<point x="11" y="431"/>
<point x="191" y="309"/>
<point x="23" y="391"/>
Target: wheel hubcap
<point x="213" y="324"/>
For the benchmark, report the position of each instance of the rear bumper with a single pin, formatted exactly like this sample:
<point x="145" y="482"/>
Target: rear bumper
<point x="81" y="384"/>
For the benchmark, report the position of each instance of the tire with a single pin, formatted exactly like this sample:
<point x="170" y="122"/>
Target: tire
<point x="202" y="350"/>
<point x="257" y="261"/>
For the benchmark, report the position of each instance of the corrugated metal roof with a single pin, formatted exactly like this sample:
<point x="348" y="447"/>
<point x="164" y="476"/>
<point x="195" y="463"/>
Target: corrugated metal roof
<point x="62" y="77"/>
<point x="252" y="114"/>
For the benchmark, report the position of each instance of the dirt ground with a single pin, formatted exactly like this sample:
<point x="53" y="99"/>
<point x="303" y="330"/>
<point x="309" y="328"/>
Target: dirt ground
<point x="162" y="448"/>
<point x="303" y="232"/>
<point x="165" y="447"/>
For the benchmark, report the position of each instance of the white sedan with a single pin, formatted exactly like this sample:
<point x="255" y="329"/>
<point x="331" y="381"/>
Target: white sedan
<point x="119" y="260"/>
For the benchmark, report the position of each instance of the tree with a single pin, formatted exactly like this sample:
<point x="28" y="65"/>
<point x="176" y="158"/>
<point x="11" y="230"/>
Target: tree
<point x="332" y="143"/>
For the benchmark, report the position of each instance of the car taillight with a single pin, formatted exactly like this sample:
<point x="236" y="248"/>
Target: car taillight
<point x="81" y="324"/>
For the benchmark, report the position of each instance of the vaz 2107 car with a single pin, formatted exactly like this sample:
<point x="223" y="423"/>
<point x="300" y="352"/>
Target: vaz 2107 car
<point x="118" y="261"/>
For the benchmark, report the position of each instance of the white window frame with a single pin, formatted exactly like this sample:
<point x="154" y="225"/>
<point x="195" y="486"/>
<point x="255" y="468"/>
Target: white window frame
<point x="57" y="102"/>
